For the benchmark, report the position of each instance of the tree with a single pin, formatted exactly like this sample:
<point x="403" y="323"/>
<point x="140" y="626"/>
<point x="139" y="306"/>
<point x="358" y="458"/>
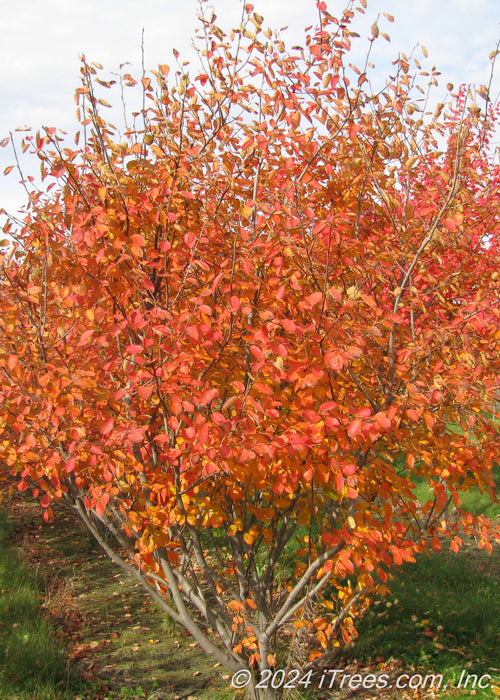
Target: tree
<point x="233" y="338"/>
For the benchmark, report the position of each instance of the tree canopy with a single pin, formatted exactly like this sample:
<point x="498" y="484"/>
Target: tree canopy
<point x="235" y="337"/>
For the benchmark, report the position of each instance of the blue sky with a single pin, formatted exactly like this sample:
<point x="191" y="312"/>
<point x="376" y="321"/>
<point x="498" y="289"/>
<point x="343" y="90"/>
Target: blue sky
<point x="42" y="40"/>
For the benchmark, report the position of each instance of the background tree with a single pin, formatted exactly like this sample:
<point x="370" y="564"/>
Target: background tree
<point x="233" y="338"/>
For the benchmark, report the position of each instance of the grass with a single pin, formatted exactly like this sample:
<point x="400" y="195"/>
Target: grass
<point x="443" y="616"/>
<point x="34" y="659"/>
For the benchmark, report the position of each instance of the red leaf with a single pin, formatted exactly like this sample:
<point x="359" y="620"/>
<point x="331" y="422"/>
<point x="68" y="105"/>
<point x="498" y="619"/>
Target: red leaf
<point x="354" y="428"/>
<point x="70" y="465"/>
<point x="175" y="405"/>
<point x="334" y="360"/>
<point x="107" y="426"/>
<point x="210" y="468"/>
<point x="353" y="130"/>
<point x="383" y="421"/>
<point x="218" y="418"/>
<point x="85" y="337"/>
<point x="100" y="508"/>
<point x="134" y="349"/>
<point x="207" y="396"/>
<point x="162" y="439"/>
<point x="313" y="299"/>
<point x="349" y="469"/>
<point x="136" y="435"/>
<point x="190" y="239"/>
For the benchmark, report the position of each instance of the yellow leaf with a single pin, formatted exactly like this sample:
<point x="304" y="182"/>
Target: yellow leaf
<point x="410" y="162"/>
<point x="246" y="211"/>
<point x="278" y="362"/>
<point x="248" y="538"/>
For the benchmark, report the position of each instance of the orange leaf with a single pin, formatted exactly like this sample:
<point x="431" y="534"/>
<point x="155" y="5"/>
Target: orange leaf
<point x="429" y="420"/>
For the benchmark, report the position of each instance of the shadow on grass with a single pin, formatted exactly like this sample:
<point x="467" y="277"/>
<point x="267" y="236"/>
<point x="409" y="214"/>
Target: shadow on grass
<point x="444" y="616"/>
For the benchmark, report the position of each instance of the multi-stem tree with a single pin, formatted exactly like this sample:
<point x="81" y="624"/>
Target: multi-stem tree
<point x="233" y="338"/>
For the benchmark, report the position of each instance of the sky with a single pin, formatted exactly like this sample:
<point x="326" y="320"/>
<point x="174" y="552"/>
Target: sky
<point x="43" y="39"/>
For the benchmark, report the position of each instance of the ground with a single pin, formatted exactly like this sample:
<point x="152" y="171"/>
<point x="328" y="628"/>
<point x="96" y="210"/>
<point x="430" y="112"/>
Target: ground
<point x="121" y="646"/>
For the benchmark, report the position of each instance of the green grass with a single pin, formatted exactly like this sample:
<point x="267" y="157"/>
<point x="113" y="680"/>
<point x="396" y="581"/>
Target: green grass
<point x="473" y="501"/>
<point x="443" y="616"/>
<point x="33" y="658"/>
